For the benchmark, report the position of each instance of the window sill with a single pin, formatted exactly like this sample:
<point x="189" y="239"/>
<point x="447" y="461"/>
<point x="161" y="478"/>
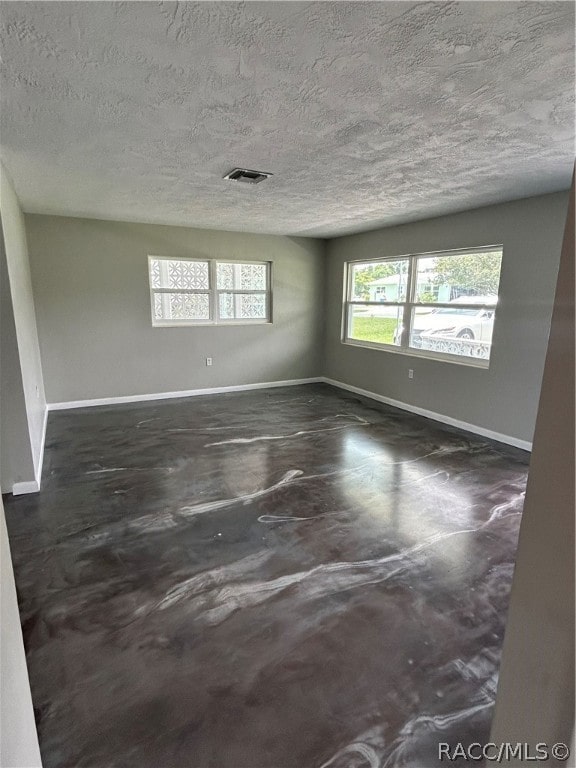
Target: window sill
<point x="208" y="323"/>
<point x="470" y="362"/>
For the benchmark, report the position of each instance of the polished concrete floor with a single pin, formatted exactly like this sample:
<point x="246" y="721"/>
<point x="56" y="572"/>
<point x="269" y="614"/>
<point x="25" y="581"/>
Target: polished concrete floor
<point x="283" y="578"/>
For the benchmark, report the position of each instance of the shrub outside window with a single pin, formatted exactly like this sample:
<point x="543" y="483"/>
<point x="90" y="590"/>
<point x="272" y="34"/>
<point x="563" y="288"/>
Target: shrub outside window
<point x="209" y="291"/>
<point x="440" y="305"/>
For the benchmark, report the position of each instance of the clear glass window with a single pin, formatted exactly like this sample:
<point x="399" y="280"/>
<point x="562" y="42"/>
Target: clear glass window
<point x="440" y="305"/>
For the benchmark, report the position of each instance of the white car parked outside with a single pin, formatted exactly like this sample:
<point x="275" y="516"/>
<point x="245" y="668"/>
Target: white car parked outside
<point x="455" y="321"/>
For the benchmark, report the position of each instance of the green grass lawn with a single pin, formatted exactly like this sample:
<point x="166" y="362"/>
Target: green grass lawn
<point x="378" y="329"/>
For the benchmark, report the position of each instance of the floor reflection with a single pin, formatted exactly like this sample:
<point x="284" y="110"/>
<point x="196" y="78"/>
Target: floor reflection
<point x="292" y="578"/>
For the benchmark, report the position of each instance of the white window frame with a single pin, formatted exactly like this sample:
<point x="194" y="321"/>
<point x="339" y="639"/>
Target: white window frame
<point x="408" y="305"/>
<point x="213" y="294"/>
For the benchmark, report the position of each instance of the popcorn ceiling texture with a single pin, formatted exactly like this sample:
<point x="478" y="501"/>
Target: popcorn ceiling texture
<point x="368" y="113"/>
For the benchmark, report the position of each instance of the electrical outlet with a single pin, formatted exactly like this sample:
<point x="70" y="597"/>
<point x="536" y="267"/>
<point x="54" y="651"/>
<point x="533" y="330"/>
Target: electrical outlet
<point x="208" y="361"/>
<point x="410" y="373"/>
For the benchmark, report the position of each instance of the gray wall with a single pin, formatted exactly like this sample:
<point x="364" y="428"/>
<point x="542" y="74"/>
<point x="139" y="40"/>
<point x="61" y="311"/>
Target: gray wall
<point x="18" y="267"/>
<point x="18" y="738"/>
<point x="21" y="416"/>
<point x="16" y="464"/>
<point x="503" y="398"/>
<point x="92" y="299"/>
<point x="536" y="690"/>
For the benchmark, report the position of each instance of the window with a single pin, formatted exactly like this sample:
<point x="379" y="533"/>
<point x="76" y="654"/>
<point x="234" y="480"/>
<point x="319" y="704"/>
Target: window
<point x="439" y="305"/>
<point x="209" y="292"/>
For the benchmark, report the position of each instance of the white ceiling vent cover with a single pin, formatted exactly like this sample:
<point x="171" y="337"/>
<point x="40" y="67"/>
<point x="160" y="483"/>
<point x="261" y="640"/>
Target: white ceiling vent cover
<point x="247" y="176"/>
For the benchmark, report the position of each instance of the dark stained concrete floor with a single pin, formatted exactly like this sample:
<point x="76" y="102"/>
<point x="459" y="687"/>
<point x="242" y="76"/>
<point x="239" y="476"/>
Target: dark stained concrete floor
<point x="284" y="578"/>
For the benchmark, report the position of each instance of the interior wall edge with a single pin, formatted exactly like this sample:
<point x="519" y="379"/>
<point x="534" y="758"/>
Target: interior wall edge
<point x="535" y="698"/>
<point x="16" y="460"/>
<point x="32" y="486"/>
<point x="15" y="246"/>
<point x="42" y="445"/>
<point x="19" y="745"/>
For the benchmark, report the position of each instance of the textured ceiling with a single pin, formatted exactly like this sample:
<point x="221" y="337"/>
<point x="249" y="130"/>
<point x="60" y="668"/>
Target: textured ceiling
<point x="367" y="113"/>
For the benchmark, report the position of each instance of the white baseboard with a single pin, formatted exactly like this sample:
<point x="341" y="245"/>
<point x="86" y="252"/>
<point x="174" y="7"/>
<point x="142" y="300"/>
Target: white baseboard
<point x="524" y="444"/>
<point x="29" y="486"/>
<point x="34" y="486"/>
<point x="64" y="406"/>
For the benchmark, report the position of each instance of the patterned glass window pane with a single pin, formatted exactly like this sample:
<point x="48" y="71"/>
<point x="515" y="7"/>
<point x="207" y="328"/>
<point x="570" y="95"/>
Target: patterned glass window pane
<point x="181" y="306"/>
<point x="178" y="274"/>
<point x="226" y="304"/>
<point x="253" y="277"/>
<point x="154" y="265"/>
<point x="253" y="306"/>
<point x="241" y="277"/>
<point x="242" y="306"/>
<point x="225" y="277"/>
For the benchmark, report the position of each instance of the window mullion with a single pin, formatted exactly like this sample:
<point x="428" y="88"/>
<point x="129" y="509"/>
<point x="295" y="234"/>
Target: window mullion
<point x="349" y="273"/>
<point x="165" y="280"/>
<point x="185" y="291"/>
<point x="407" y="314"/>
<point x="212" y="276"/>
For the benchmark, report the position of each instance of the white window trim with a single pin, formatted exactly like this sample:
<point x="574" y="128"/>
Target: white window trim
<point x="213" y="294"/>
<point x="408" y="306"/>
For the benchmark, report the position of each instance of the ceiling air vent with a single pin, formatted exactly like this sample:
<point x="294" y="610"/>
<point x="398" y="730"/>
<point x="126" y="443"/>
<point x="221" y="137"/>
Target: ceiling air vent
<point x="247" y="176"/>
